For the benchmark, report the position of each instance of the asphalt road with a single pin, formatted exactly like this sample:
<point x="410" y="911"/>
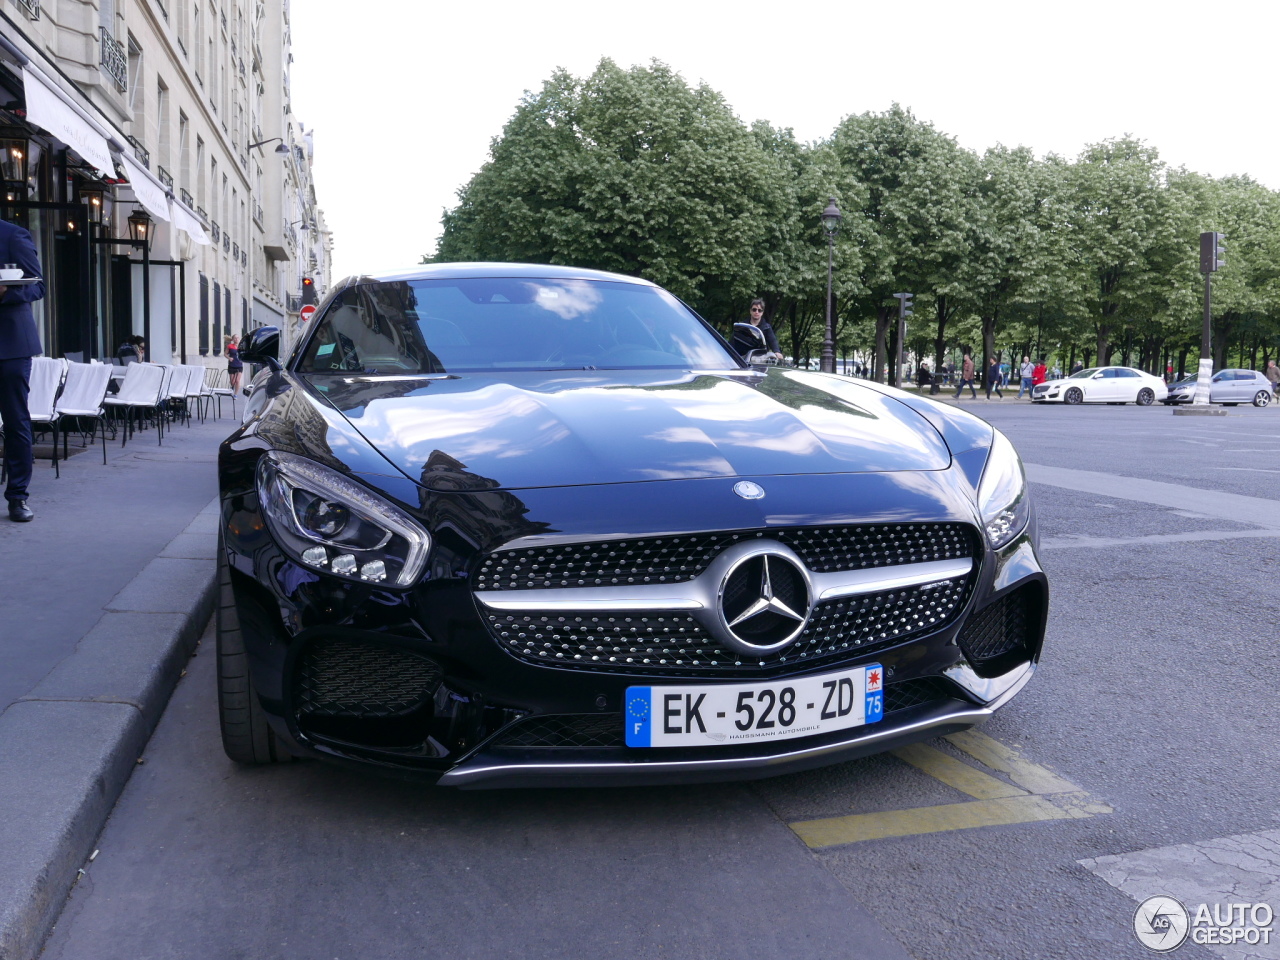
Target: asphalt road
<point x="1148" y="728"/>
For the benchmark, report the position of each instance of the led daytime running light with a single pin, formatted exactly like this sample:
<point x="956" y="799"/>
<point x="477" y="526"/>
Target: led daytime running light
<point x="281" y="474"/>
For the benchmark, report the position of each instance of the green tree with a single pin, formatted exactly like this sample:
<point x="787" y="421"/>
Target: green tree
<point x="632" y="171"/>
<point x="918" y="199"/>
<point x="1122" y="224"/>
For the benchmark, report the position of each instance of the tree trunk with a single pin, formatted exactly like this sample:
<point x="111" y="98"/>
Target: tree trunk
<point x="988" y="342"/>
<point x="883" y="316"/>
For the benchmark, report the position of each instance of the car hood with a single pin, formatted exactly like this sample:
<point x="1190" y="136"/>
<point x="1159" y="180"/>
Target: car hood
<point x="538" y="429"/>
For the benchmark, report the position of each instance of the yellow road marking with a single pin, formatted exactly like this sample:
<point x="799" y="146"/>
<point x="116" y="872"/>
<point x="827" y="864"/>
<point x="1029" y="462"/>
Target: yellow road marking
<point x="997" y="803"/>
<point x="949" y="816"/>
<point x="956" y="773"/>
<point x="997" y="756"/>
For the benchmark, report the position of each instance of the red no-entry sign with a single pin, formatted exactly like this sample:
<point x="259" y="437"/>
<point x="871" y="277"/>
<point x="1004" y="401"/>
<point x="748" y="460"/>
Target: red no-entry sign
<point x="306" y="313"/>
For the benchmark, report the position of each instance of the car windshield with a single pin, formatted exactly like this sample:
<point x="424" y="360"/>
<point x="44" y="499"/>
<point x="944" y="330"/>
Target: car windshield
<point x="1084" y="374"/>
<point x="444" y="326"/>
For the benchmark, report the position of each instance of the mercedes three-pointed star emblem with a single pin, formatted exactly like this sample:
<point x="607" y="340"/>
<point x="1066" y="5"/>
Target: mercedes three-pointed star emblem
<point x="766" y="602"/>
<point x="764" y="597"/>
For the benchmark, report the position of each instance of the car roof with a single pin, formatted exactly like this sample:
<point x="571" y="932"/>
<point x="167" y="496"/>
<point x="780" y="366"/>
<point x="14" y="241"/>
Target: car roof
<point x="454" y="271"/>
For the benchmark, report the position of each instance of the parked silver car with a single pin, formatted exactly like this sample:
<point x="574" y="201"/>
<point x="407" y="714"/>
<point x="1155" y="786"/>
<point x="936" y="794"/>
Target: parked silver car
<point x="1229" y="388"/>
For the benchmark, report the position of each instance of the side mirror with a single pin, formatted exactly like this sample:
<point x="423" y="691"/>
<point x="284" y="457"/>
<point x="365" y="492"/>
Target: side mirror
<point x="262" y="346"/>
<point x="747" y="340"/>
<point x="1096" y="376"/>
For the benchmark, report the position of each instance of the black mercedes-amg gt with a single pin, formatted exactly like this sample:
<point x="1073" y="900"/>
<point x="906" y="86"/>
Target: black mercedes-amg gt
<point x="514" y="525"/>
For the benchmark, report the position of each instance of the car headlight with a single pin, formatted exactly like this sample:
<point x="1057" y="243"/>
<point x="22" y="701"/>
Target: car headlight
<point x="327" y="522"/>
<point x="1003" y="498"/>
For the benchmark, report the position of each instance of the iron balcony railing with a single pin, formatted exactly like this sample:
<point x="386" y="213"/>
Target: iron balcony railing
<point x="226" y="243"/>
<point x="32" y="8"/>
<point x="185" y="196"/>
<point x="139" y="151"/>
<point x="257" y="214"/>
<point x="114" y="60"/>
<point x="215" y="231"/>
<point x="165" y="176"/>
<point x="295" y="303"/>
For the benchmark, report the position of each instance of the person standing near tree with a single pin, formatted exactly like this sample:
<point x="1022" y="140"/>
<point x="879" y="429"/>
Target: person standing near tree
<point x="19" y="342"/>
<point x="966" y="377"/>
<point x="993" y="379"/>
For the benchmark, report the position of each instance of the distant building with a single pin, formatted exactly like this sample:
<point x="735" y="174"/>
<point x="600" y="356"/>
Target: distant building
<point x="113" y="112"/>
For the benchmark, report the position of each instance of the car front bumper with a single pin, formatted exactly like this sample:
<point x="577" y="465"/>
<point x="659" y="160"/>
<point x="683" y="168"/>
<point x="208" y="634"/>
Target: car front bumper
<point x="469" y="731"/>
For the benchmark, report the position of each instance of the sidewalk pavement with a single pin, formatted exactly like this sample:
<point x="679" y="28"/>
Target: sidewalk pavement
<point x="104" y="596"/>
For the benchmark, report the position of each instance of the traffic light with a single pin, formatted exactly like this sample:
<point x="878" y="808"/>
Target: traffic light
<point x="904" y="304"/>
<point x="308" y="291"/>
<point x="1213" y="252"/>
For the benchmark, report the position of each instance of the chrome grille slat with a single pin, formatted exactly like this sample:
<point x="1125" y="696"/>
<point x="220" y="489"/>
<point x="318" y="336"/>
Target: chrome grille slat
<point x="641" y="605"/>
<point x="677" y="643"/>
<point x="675" y="559"/>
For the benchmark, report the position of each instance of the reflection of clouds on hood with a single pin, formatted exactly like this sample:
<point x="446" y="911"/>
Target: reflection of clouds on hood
<point x="568" y="298"/>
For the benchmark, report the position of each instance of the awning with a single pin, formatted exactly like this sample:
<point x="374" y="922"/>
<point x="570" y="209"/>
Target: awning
<point x="146" y="189"/>
<point x="50" y="108"/>
<point x="184" y="219"/>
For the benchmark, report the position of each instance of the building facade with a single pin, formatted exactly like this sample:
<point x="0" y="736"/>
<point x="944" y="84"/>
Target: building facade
<point x="151" y="149"/>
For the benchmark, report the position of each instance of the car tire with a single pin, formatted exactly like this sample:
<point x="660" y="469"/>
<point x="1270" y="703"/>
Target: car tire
<point x="1262" y="398"/>
<point x="1145" y="396"/>
<point x="1074" y="395"/>
<point x="246" y="736"/>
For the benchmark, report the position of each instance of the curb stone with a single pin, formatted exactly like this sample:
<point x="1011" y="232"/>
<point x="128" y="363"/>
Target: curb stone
<point x="68" y="747"/>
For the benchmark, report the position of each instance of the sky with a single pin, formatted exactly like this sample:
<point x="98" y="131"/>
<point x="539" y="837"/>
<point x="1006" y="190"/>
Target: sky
<point x="405" y="98"/>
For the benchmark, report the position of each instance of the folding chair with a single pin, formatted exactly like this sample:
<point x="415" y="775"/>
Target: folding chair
<point x="82" y="398"/>
<point x="141" y="389"/>
<point x="46" y="379"/>
<point x="191" y="389"/>
<point x="175" y="388"/>
<point x="219" y="391"/>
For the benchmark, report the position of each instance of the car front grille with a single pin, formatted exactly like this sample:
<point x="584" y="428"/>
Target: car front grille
<point x="1002" y="627"/>
<point x="674" y="643"/>
<point x="605" y="729"/>
<point x="339" y="678"/>
<point x="680" y="558"/>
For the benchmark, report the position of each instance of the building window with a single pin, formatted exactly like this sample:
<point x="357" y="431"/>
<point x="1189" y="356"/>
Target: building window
<point x="162" y="138"/>
<point x="217" y="319"/>
<point x="204" y="315"/>
<point x="136" y="97"/>
<point x="184" y="150"/>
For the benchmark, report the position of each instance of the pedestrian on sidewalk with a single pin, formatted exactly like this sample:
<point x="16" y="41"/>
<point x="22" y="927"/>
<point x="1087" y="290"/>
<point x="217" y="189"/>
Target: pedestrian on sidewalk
<point x="993" y="379"/>
<point x="1027" y="369"/>
<point x="235" y="366"/>
<point x="1273" y="374"/>
<point x="966" y="378"/>
<point x="19" y="342"/>
<point x="1039" y="374"/>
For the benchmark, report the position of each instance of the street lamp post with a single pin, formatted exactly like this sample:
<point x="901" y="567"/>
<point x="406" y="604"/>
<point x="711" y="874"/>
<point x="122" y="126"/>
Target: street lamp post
<point x="1212" y="259"/>
<point x="140" y="230"/>
<point x="831" y="218"/>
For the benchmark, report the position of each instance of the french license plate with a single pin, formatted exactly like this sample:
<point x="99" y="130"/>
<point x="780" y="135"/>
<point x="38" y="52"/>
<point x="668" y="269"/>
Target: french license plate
<point x="727" y="713"/>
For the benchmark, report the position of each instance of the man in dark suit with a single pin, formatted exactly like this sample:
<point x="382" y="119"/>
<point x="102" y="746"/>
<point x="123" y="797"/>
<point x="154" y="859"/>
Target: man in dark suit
<point x="19" y="342"/>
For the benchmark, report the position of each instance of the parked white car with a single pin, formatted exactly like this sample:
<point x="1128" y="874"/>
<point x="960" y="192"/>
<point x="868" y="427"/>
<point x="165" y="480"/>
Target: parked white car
<point x="1103" y="385"/>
